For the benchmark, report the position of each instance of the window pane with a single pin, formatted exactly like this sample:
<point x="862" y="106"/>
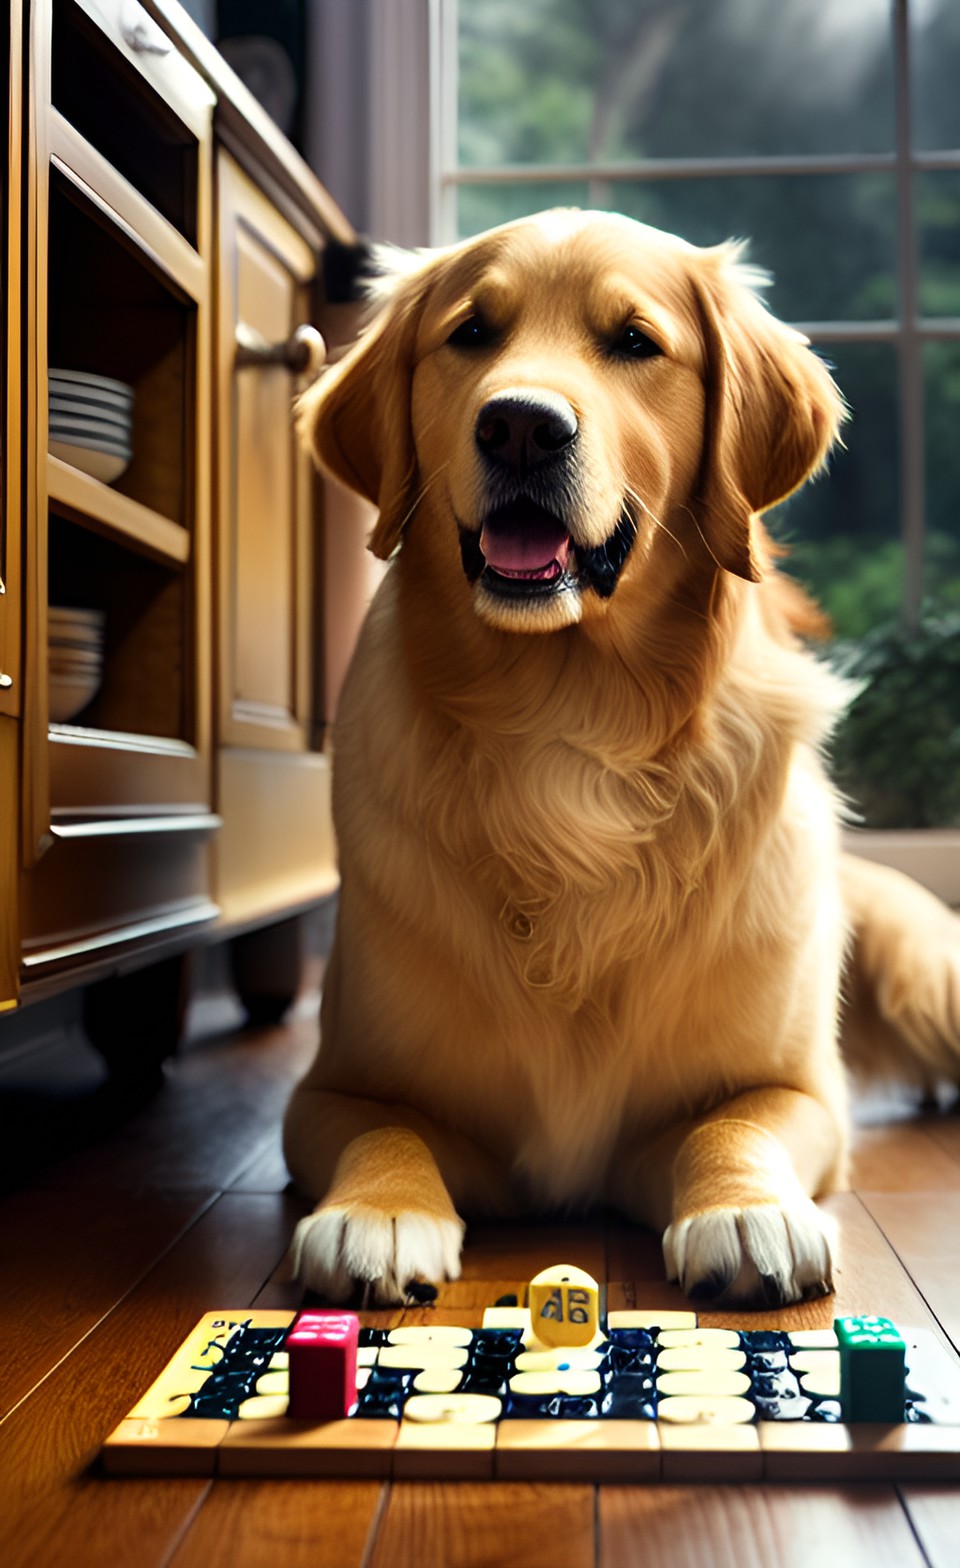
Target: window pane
<point x="482" y="207"/>
<point x="828" y="240"/>
<point x="585" y="80"/>
<point x="843" y="530"/>
<point x="937" y="199"/>
<point x="935" y="47"/>
<point x="941" y="364"/>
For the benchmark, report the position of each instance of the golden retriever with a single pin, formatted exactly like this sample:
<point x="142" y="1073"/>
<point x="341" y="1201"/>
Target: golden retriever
<point x="594" y="911"/>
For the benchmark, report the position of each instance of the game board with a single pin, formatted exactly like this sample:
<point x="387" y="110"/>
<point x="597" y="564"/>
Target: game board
<point x="653" y="1397"/>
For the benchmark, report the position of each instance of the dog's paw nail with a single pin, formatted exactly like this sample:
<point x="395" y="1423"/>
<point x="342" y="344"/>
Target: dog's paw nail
<point x="711" y="1288"/>
<point x="816" y="1289"/>
<point x="420" y="1291"/>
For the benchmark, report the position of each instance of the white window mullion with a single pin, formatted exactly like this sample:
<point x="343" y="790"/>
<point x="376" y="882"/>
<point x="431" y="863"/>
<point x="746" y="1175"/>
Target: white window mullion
<point x="910" y="355"/>
<point x="445" y="74"/>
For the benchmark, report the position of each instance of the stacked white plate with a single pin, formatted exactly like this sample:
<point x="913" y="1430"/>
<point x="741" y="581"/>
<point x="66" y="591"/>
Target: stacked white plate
<point x="91" y="420"/>
<point x="75" y="659"/>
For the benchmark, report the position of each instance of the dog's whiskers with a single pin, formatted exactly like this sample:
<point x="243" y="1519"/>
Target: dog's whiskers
<point x="420" y="496"/>
<point x="641" y="503"/>
<point x="706" y="542"/>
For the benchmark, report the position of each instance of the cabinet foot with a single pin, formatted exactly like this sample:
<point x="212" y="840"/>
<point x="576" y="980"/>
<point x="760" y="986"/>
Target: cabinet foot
<point x="267" y="967"/>
<point x="135" y="1021"/>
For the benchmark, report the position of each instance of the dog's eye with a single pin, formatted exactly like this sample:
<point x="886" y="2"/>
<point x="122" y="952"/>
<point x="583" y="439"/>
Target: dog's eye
<point x="633" y="343"/>
<point x="472" y="333"/>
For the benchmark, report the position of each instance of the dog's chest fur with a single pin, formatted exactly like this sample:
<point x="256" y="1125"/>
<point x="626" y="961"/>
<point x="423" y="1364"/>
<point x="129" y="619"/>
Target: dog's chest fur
<point x="573" y="888"/>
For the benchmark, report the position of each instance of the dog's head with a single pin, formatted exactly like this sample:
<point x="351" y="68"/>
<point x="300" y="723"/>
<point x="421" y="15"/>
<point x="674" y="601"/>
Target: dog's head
<point x="561" y="399"/>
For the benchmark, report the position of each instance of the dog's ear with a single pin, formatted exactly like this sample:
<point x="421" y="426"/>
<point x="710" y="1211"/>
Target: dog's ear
<point x="356" y="418"/>
<point x="772" y="410"/>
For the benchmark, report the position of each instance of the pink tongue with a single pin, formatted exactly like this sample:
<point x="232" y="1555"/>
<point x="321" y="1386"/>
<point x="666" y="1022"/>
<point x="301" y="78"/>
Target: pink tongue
<point x="525" y="552"/>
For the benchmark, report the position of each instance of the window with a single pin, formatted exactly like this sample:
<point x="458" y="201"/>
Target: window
<point x="829" y="136"/>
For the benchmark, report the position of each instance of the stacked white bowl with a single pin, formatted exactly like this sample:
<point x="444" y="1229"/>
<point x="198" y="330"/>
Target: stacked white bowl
<point x="91" y="421"/>
<point x="75" y="659"/>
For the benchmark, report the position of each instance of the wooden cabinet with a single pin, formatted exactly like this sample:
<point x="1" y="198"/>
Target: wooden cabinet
<point x="152" y="210"/>
<point x="117" y="805"/>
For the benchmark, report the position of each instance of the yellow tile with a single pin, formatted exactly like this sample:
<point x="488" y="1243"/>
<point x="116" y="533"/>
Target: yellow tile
<point x="577" y="1451"/>
<point x="713" y="1384"/>
<point x="444" y="1451"/>
<point x="431" y="1334"/>
<point x="646" y="1317"/>
<point x="197" y="1356"/>
<point x="507" y="1317"/>
<point x="187" y="1446"/>
<point x="283" y="1447"/>
<point x="710" y="1453"/>
<point x="833" y="1452"/>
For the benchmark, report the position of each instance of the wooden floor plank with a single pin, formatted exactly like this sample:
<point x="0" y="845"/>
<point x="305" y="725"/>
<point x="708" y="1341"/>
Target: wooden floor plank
<point x="487" y="1525"/>
<point x="518" y="1251"/>
<point x="924" y="1230"/>
<point x="101" y="1524"/>
<point x="755" y="1527"/>
<point x="66" y="1259"/>
<point x="267" y="1170"/>
<point x="934" y="1512"/>
<point x="220" y="1100"/>
<point x="945" y="1130"/>
<point x="299" y="1524"/>
<point x="220" y="1262"/>
<point x="916" y="1156"/>
<point x="635" y="1269"/>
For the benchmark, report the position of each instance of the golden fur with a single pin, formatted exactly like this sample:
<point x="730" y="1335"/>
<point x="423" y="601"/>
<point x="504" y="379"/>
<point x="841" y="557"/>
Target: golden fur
<point x="591" y="927"/>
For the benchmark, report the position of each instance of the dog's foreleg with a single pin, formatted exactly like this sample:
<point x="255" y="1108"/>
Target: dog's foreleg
<point x="387" y="1217"/>
<point x="735" y="1189"/>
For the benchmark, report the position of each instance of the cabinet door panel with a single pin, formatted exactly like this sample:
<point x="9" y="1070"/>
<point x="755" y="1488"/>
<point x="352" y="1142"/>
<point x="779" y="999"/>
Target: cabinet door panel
<point x="265" y="551"/>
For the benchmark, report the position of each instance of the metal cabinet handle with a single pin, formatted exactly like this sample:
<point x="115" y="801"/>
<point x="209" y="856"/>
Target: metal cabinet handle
<point x="303" y="353"/>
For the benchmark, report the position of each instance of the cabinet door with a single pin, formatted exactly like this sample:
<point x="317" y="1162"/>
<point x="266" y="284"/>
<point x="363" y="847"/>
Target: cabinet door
<point x="275" y="851"/>
<point x="265" y="546"/>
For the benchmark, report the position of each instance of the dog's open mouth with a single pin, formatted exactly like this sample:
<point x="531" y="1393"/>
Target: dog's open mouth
<point x="523" y="551"/>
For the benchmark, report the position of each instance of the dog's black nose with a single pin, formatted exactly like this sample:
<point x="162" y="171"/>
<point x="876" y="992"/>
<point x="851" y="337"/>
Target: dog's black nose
<point x="524" y="428"/>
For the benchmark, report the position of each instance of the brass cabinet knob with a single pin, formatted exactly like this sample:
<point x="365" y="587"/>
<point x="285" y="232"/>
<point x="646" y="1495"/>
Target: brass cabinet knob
<point x="303" y="353"/>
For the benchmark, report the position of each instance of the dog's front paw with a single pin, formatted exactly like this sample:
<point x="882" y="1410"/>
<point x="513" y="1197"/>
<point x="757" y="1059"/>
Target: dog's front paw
<point x="342" y="1248"/>
<point x="767" y="1255"/>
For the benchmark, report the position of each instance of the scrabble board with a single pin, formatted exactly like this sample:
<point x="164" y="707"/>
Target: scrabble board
<point x="654" y="1397"/>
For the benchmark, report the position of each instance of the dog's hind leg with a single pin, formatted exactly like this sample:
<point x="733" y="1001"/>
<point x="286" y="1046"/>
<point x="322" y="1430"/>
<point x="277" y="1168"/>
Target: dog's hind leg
<point x="902" y="984"/>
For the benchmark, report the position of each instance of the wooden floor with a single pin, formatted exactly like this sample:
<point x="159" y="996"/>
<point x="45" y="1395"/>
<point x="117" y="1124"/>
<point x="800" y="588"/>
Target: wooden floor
<point x="108" y="1256"/>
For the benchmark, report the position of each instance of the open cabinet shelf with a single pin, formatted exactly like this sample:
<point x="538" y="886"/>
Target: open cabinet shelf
<point x="141" y="109"/>
<point x="105" y="510"/>
<point x="113" y="313"/>
<point x="147" y="681"/>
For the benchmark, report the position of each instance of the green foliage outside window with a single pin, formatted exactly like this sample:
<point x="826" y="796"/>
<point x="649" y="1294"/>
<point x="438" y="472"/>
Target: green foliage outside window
<point x="897" y="752"/>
